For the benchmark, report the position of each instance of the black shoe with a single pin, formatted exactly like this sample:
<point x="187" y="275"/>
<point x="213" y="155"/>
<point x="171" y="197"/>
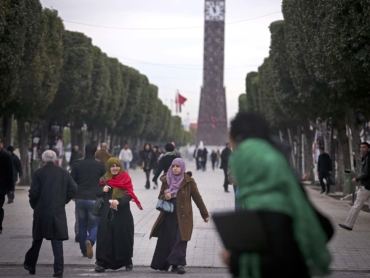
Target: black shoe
<point x="174" y="268"/>
<point x="1" y="231"/>
<point x="181" y="269"/>
<point x="326" y="193"/>
<point x="322" y="192"/>
<point x="147" y="185"/>
<point x="99" y="269"/>
<point x="129" y="267"/>
<point x="84" y="255"/>
<point x="31" y="270"/>
<point x="345" y="227"/>
<point x="77" y="238"/>
<point x="10" y="201"/>
<point x="227" y="191"/>
<point x="58" y="274"/>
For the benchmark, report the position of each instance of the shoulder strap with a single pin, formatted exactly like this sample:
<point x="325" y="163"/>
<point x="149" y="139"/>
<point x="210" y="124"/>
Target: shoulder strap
<point x="104" y="180"/>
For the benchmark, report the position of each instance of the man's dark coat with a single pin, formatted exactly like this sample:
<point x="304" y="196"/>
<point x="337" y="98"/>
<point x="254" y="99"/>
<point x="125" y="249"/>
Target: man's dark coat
<point x="51" y="189"/>
<point x="6" y="173"/>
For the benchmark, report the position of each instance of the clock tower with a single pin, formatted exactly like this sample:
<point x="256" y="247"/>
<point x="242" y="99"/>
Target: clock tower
<point x="212" y="119"/>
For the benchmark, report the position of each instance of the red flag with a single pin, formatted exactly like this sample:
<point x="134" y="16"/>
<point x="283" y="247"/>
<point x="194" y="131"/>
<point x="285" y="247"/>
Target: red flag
<point x="180" y="100"/>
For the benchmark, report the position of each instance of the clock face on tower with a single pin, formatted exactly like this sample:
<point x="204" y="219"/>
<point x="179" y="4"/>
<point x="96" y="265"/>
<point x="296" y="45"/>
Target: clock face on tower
<point x="215" y="10"/>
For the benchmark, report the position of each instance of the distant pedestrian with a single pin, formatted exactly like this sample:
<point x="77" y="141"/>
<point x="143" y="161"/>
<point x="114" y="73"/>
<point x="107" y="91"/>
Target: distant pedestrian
<point x="174" y="229"/>
<point x="75" y="155"/>
<point x="6" y="179"/>
<point x="165" y="162"/>
<point x="126" y="157"/>
<point x="324" y="169"/>
<point x="103" y="155"/>
<point x="147" y="162"/>
<point x="213" y="159"/>
<point x="51" y="189"/>
<point x="297" y="243"/>
<point x="115" y="242"/>
<point x="157" y="155"/>
<point x="204" y="159"/>
<point x="225" y="156"/>
<point x="17" y="168"/>
<point x="86" y="173"/>
<point x="218" y="161"/>
<point x="364" y="192"/>
<point x="196" y="156"/>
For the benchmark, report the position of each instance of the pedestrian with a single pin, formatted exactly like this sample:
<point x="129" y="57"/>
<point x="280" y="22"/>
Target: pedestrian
<point x="195" y="155"/>
<point x="204" y="159"/>
<point x="225" y="156"/>
<point x="17" y="168"/>
<point x="126" y="157"/>
<point x="213" y="159"/>
<point x="165" y="162"/>
<point x="51" y="189"/>
<point x="267" y="186"/>
<point x="218" y="161"/>
<point x="147" y="162"/>
<point x="157" y="155"/>
<point x="174" y="229"/>
<point x="324" y="169"/>
<point x="103" y="155"/>
<point x="75" y="155"/>
<point x="115" y="241"/>
<point x="364" y="192"/>
<point x="7" y="179"/>
<point x="87" y="173"/>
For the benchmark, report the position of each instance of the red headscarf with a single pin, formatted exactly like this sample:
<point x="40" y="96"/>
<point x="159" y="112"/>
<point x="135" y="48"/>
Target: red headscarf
<point x="123" y="181"/>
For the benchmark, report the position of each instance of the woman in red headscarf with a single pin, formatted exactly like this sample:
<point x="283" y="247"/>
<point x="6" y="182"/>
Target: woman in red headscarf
<point x="115" y="240"/>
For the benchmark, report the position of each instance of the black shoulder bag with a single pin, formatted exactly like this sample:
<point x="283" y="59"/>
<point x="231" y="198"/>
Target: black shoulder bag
<point x="99" y="203"/>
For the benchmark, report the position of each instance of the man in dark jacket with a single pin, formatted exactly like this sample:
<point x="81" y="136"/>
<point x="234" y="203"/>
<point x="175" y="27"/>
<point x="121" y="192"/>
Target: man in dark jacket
<point x="364" y="192"/>
<point x="6" y="179"/>
<point x="196" y="156"/>
<point x="86" y="173"/>
<point x="51" y="189"/>
<point x="75" y="155"/>
<point x="225" y="156"/>
<point x="324" y="169"/>
<point x="165" y="161"/>
<point x="17" y="167"/>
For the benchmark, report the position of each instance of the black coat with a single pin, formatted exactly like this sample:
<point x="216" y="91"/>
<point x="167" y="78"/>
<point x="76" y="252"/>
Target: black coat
<point x="225" y="156"/>
<point x="87" y="173"/>
<point x="51" y="189"/>
<point x="6" y="173"/>
<point x="74" y="157"/>
<point x="17" y="166"/>
<point x="324" y="165"/>
<point x="148" y="160"/>
<point x="164" y="164"/>
<point x="364" y="177"/>
<point x="115" y="240"/>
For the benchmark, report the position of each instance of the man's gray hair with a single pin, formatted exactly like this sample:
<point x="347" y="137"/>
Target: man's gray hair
<point x="49" y="156"/>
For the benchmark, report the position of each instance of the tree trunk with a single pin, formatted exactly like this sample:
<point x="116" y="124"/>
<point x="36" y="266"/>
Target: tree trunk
<point x="344" y="154"/>
<point x="292" y="148"/>
<point x="356" y="138"/>
<point x="309" y="163"/>
<point x="8" y="127"/>
<point x="23" y="150"/>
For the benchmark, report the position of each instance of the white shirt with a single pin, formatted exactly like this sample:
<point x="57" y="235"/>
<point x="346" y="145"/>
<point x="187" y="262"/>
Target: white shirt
<point x="125" y="155"/>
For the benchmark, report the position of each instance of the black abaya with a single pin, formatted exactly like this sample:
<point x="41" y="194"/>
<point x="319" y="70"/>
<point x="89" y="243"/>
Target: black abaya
<point x="170" y="249"/>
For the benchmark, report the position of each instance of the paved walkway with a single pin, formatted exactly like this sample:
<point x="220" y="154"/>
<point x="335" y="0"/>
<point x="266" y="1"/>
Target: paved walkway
<point x="351" y="250"/>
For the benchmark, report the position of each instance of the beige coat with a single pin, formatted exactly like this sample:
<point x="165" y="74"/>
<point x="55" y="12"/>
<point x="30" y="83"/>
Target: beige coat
<point x="188" y="190"/>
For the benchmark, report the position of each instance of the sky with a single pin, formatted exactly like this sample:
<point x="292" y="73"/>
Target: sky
<point x="172" y="59"/>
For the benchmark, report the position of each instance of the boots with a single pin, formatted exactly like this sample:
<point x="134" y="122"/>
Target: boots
<point x="147" y="185"/>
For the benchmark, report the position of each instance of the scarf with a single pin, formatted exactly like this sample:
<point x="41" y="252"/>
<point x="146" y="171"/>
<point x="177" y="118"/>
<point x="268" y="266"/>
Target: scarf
<point x="121" y="182"/>
<point x="266" y="182"/>
<point x="174" y="181"/>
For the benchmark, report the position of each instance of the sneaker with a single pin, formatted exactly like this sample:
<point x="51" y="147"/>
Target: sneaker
<point x="89" y="249"/>
<point x="99" y="269"/>
<point x="345" y="227"/>
<point x="180" y="269"/>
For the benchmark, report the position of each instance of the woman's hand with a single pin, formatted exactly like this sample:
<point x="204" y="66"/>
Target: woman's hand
<point x="106" y="188"/>
<point x="114" y="204"/>
<point x="168" y="195"/>
<point x="225" y="257"/>
<point x="206" y="220"/>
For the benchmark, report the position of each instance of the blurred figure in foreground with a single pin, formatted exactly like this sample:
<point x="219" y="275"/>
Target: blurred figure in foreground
<point x="17" y="168"/>
<point x="266" y="184"/>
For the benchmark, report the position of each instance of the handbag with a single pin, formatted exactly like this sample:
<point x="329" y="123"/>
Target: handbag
<point x="165" y="206"/>
<point x="99" y="203"/>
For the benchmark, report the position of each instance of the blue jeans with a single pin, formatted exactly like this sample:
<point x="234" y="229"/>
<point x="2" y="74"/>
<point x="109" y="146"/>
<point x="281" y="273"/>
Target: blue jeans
<point x="86" y="219"/>
<point x="126" y="165"/>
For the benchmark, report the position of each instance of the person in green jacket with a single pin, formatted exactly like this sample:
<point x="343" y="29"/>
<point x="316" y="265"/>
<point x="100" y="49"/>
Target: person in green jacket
<point x="266" y="184"/>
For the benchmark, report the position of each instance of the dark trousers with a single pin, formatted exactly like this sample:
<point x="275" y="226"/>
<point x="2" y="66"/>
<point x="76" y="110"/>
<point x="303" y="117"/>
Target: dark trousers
<point x="10" y="196"/>
<point x="178" y="253"/>
<point x="226" y="182"/>
<point x="213" y="164"/>
<point x="197" y="162"/>
<point x="2" y="201"/>
<point x="33" y="254"/>
<point x="325" y="176"/>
